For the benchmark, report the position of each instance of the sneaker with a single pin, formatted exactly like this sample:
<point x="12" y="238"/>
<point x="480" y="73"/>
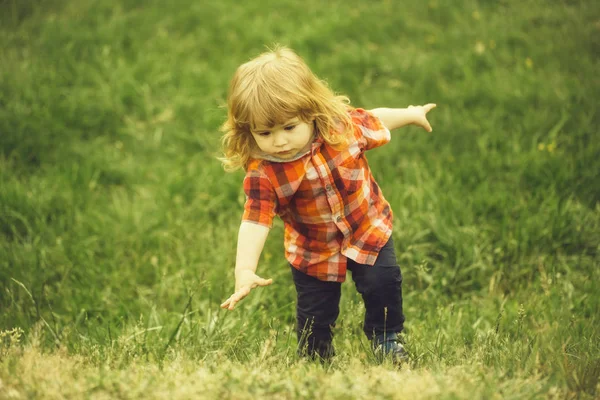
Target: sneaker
<point x="389" y="345"/>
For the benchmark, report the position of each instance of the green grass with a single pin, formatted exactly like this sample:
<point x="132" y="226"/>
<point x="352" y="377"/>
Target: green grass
<point x="118" y="224"/>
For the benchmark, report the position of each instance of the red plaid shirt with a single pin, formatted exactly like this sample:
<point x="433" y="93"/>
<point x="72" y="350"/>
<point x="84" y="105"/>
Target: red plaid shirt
<point x="331" y="206"/>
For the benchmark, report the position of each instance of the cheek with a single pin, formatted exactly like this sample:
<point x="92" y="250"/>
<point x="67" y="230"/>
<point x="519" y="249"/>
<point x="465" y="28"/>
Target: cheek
<point x="261" y="142"/>
<point x="308" y="133"/>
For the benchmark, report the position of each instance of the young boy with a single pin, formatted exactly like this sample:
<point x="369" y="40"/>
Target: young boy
<point x="303" y="149"/>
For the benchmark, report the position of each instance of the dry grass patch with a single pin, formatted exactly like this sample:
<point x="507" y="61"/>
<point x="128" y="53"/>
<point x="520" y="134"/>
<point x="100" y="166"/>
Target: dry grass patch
<point x="28" y="372"/>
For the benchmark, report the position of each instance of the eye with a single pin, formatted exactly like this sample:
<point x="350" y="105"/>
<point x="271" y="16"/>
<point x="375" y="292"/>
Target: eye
<point x="263" y="133"/>
<point x="290" y="127"/>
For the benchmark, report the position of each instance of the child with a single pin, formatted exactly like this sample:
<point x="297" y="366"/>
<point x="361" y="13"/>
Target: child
<point x="302" y="148"/>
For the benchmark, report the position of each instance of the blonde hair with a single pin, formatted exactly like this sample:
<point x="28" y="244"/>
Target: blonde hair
<point x="271" y="89"/>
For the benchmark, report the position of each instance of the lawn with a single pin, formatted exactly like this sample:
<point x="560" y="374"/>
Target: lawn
<point x="118" y="224"/>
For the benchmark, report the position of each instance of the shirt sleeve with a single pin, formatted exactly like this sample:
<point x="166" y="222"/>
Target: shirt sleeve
<point x="261" y="200"/>
<point x="369" y="129"/>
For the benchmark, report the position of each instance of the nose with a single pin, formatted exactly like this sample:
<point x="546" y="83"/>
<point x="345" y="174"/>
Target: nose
<point x="279" y="139"/>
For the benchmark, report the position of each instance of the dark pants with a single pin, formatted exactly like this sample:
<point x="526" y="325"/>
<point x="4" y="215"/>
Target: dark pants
<point x="318" y="302"/>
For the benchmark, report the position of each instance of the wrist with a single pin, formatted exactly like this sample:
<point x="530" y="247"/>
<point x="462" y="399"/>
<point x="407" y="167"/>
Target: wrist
<point x="243" y="277"/>
<point x="412" y="115"/>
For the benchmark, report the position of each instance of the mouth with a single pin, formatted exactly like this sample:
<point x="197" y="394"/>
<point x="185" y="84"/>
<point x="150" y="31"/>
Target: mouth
<point x="282" y="153"/>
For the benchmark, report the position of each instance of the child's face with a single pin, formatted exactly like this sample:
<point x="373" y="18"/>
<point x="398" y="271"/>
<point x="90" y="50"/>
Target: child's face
<point x="286" y="140"/>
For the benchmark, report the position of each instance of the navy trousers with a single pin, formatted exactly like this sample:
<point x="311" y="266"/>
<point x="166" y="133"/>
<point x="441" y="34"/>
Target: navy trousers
<point x="318" y="301"/>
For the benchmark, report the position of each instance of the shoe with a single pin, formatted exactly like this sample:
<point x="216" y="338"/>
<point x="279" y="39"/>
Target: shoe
<point x="316" y="350"/>
<point x="389" y="345"/>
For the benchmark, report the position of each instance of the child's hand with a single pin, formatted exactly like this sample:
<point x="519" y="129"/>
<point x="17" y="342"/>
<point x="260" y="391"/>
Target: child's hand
<point x="246" y="280"/>
<point x="420" y="115"/>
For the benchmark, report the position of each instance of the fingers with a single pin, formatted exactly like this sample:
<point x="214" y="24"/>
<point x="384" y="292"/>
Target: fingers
<point x="426" y="109"/>
<point x="235" y="298"/>
<point x="225" y="304"/>
<point x="429" y="107"/>
<point x="231" y="302"/>
<point x="243" y="292"/>
<point x="264" y="282"/>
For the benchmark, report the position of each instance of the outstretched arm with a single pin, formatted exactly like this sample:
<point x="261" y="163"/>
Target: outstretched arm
<point x="394" y="118"/>
<point x="251" y="240"/>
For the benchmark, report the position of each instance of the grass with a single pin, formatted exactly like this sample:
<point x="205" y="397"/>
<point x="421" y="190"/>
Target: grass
<point x="118" y="225"/>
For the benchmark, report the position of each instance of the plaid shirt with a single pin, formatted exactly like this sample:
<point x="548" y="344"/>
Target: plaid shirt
<point x="331" y="206"/>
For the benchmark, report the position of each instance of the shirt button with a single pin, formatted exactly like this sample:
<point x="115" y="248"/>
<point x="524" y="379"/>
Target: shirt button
<point x="339" y="218"/>
<point x="328" y="188"/>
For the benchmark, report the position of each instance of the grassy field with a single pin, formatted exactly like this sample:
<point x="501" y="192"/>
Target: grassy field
<point x="118" y="224"/>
